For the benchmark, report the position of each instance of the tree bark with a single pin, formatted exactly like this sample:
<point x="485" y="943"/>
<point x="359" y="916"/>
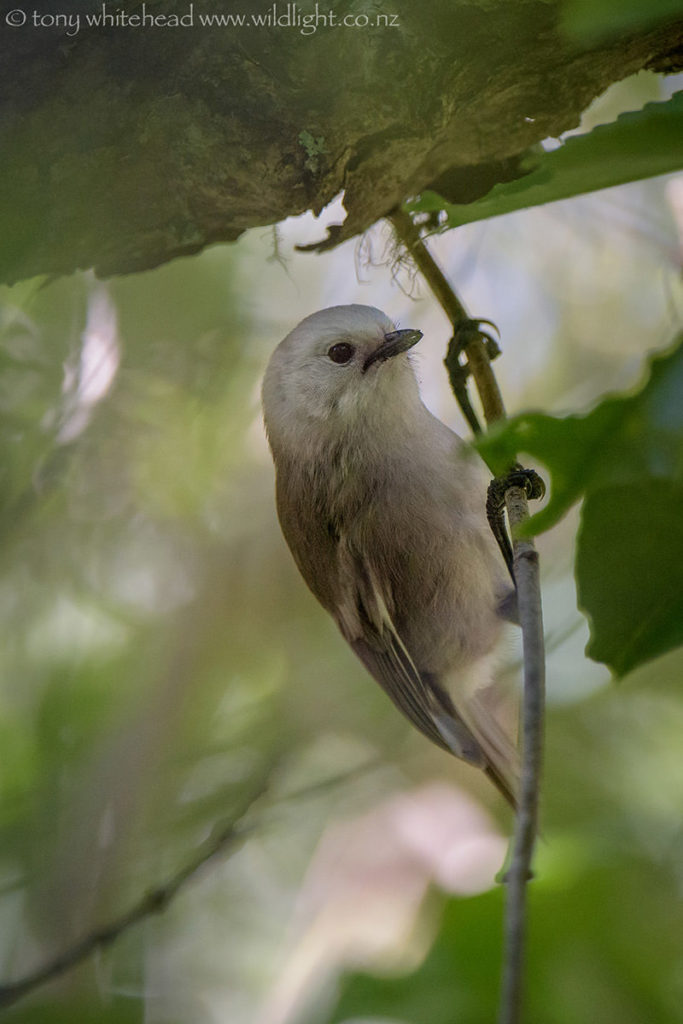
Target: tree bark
<point x="125" y="146"/>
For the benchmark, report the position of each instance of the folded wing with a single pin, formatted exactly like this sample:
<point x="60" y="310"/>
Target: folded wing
<point x="475" y="736"/>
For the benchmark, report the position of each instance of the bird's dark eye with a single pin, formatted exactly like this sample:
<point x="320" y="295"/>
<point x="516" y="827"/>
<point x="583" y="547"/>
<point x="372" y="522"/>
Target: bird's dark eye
<point x="342" y="352"/>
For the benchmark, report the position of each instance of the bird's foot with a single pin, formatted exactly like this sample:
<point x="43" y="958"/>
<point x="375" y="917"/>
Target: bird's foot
<point x="458" y="371"/>
<point x="533" y="486"/>
<point x="463" y="331"/>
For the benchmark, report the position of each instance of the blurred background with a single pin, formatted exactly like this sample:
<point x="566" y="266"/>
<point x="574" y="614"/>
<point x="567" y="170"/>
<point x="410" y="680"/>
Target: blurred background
<point x="164" y="669"/>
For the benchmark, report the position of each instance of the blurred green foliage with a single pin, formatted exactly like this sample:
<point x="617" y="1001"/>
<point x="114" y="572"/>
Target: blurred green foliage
<point x="601" y="979"/>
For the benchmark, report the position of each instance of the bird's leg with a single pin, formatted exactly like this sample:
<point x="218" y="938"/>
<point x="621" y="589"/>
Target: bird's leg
<point x="528" y="479"/>
<point x="495" y="513"/>
<point x="531" y="483"/>
<point x="458" y="371"/>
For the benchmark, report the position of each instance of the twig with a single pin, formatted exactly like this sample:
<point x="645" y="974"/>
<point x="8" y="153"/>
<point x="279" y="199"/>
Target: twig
<point x="480" y="367"/>
<point x="158" y="899"/>
<point x="527" y="579"/>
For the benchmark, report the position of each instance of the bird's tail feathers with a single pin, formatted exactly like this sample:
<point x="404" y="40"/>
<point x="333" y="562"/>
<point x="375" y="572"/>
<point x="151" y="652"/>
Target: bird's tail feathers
<point x="475" y="734"/>
<point x="502" y="757"/>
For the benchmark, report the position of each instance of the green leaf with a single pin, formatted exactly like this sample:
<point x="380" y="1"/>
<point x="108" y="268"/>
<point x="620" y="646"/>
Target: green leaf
<point x="628" y="569"/>
<point x="625" y="459"/>
<point x="625" y="439"/>
<point x="639" y="144"/>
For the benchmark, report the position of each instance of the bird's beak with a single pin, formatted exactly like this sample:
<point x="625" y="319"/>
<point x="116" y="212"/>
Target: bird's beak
<point x="394" y="343"/>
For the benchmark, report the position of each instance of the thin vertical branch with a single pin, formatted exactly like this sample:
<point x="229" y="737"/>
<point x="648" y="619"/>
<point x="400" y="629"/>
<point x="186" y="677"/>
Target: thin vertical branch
<point x="527" y="579"/>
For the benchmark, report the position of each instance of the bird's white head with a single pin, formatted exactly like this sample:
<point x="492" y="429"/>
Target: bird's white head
<point x="342" y="368"/>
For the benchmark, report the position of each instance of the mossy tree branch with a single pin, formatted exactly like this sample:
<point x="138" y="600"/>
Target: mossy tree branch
<point x="127" y="147"/>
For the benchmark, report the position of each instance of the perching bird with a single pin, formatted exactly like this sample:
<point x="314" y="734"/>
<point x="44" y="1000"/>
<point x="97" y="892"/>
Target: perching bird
<point x="383" y="508"/>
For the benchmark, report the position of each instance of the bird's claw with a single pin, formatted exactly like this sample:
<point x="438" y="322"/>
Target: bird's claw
<point x="534" y="488"/>
<point x="528" y="479"/>
<point x="473" y="325"/>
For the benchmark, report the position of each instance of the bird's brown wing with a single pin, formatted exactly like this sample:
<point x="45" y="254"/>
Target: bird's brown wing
<point x="364" y="617"/>
<point x="430" y="709"/>
<point x="397" y="676"/>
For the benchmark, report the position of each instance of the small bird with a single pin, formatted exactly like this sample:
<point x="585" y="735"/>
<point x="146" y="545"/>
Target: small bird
<point x="383" y="509"/>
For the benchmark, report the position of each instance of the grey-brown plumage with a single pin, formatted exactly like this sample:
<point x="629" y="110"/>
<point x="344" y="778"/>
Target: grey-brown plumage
<point x="382" y="507"/>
